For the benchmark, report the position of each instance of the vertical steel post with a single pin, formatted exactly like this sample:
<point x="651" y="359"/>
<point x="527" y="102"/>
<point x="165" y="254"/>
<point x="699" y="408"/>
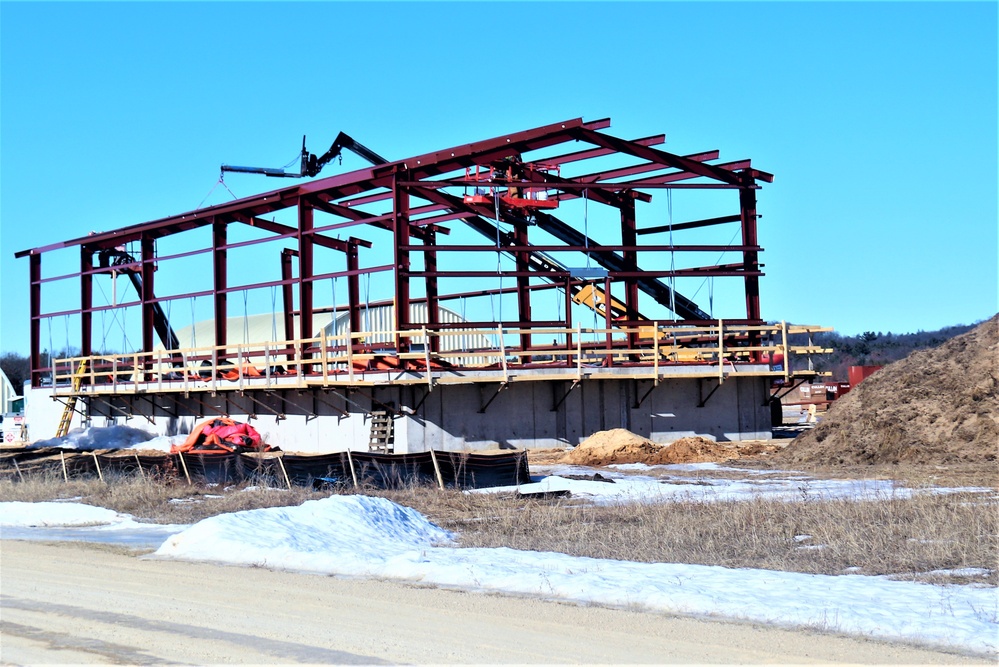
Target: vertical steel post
<point x="432" y="343"/>
<point x="305" y="272"/>
<point x="146" y="298"/>
<point x="353" y="289"/>
<point x="219" y="236"/>
<point x="86" y="301"/>
<point x="35" y="306"/>
<point x="750" y="259"/>
<point x="288" y="295"/>
<point x="400" y="229"/>
<point x="523" y="285"/>
<point x="630" y="238"/>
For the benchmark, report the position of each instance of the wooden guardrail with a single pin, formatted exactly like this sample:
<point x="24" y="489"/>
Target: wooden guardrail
<point x="718" y="350"/>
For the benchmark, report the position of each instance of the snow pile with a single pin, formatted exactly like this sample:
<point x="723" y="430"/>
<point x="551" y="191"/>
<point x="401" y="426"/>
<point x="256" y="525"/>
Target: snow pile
<point x="374" y="537"/>
<point x="112" y="437"/>
<point x="356" y="535"/>
<point x="25" y="515"/>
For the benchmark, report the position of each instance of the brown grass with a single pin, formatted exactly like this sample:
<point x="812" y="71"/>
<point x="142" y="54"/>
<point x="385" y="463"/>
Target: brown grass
<point x="895" y="535"/>
<point x="899" y="536"/>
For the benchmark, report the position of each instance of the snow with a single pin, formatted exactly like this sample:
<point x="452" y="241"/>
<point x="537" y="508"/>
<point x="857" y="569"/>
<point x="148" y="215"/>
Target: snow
<point x="670" y="484"/>
<point x="69" y="521"/>
<point x="373" y="537"/>
<point x="112" y="437"/>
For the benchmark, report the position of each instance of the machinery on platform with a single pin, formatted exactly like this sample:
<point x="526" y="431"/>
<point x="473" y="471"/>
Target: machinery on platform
<point x="310" y="164"/>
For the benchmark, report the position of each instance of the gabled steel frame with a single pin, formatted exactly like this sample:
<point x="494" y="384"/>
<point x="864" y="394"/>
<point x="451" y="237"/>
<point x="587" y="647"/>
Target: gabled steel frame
<point x="419" y="208"/>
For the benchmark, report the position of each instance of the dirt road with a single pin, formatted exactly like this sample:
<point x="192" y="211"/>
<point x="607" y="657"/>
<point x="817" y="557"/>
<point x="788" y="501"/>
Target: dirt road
<point x="83" y="603"/>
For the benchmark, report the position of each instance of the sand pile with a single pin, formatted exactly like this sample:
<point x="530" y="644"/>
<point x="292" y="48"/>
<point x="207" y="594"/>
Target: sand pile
<point x="622" y="446"/>
<point x="933" y="407"/>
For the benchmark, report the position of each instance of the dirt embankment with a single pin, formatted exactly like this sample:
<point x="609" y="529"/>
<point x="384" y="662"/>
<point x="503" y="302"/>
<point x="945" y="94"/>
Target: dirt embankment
<point x="622" y="446"/>
<point x="938" y="406"/>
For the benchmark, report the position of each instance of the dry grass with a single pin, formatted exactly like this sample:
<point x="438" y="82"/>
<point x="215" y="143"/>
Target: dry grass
<point x="906" y="537"/>
<point x="895" y="535"/>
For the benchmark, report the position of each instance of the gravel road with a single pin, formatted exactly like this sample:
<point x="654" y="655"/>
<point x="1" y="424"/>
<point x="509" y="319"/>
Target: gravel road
<point x="88" y="603"/>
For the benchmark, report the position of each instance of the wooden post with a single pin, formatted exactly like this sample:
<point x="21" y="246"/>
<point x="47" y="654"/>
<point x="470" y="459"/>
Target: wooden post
<point x="65" y="474"/>
<point x="98" y="466"/>
<point x="142" y="473"/>
<point x="437" y="469"/>
<point x="183" y="464"/>
<point x="350" y="462"/>
<point x="284" y="472"/>
<point x="18" y="469"/>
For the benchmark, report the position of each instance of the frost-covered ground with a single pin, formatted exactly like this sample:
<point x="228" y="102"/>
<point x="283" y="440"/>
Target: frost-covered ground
<point x="373" y="537"/>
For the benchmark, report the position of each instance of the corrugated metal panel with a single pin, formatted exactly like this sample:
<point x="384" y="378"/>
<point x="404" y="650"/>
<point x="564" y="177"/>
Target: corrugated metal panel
<point x="262" y="328"/>
<point x="7" y="393"/>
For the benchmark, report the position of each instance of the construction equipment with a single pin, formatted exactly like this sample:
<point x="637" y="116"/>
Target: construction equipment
<point x="120" y="261"/>
<point x="310" y="164"/>
<point x="70" y="408"/>
<point x="527" y="198"/>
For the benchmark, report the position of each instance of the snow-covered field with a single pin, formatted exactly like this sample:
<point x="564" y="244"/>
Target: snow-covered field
<point x="373" y="537"/>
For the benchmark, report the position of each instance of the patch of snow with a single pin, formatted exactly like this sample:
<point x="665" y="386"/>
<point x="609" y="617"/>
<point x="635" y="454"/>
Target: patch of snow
<point x="26" y="515"/>
<point x="373" y="537"/>
<point x="964" y="572"/>
<point x="802" y="538"/>
<point x="112" y="437"/>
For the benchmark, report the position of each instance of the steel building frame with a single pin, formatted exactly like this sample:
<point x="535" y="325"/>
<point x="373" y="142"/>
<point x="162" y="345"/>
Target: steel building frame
<point x="420" y="191"/>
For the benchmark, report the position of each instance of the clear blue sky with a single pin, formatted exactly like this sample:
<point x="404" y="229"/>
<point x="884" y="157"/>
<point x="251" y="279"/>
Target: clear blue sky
<point x="878" y="120"/>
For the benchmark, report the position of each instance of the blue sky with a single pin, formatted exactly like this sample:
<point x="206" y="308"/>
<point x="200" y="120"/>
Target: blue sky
<point x="878" y="120"/>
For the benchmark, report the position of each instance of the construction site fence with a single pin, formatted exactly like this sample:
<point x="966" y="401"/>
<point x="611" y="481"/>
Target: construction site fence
<point x="340" y="469"/>
<point x="345" y="359"/>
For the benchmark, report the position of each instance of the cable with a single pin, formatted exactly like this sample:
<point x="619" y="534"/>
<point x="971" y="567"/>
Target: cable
<point x="672" y="255"/>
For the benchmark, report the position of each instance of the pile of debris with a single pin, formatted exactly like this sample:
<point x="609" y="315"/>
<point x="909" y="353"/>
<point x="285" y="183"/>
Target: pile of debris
<point x="622" y="446"/>
<point x="937" y="406"/>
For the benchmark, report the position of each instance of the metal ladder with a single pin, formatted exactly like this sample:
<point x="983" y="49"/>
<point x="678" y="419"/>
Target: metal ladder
<point x="67" y="413"/>
<point x="382" y="435"/>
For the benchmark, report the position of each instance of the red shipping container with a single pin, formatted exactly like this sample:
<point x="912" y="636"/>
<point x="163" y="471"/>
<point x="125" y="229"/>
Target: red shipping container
<point x="858" y="373"/>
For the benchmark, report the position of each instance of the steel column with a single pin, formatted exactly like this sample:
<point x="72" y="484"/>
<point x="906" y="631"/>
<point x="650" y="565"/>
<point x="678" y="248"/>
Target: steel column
<point x="353" y="291"/>
<point x="147" y="253"/>
<point x="400" y="207"/>
<point x="433" y="305"/>
<point x="750" y="258"/>
<point x="220" y="271"/>
<point x="305" y="273"/>
<point x="35" y="306"/>
<point x="523" y="284"/>
<point x="629" y="238"/>
<point x="288" y="294"/>
<point x="86" y="301"/>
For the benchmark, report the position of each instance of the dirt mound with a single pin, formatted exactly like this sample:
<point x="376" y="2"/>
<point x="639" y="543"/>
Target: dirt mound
<point x="622" y="446"/>
<point x="938" y="406"/>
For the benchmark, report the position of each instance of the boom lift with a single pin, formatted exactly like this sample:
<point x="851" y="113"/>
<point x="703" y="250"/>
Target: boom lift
<point x="530" y="199"/>
<point x="312" y="165"/>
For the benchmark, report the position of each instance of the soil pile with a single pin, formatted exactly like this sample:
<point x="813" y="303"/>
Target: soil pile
<point x="622" y="446"/>
<point x="938" y="406"/>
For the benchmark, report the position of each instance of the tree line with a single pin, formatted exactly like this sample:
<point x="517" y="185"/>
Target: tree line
<point x="872" y="348"/>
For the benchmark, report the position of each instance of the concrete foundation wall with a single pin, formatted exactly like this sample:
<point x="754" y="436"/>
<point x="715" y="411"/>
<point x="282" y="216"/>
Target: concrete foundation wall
<point x="523" y="415"/>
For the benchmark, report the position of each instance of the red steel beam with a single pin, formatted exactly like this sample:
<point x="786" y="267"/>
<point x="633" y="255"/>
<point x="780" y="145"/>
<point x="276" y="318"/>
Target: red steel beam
<point x="220" y="272"/>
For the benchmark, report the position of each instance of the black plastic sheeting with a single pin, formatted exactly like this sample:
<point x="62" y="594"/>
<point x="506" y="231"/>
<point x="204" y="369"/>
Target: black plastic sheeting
<point x="457" y="469"/>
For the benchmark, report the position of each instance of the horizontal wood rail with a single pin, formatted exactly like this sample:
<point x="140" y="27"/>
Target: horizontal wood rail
<point x="652" y="351"/>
